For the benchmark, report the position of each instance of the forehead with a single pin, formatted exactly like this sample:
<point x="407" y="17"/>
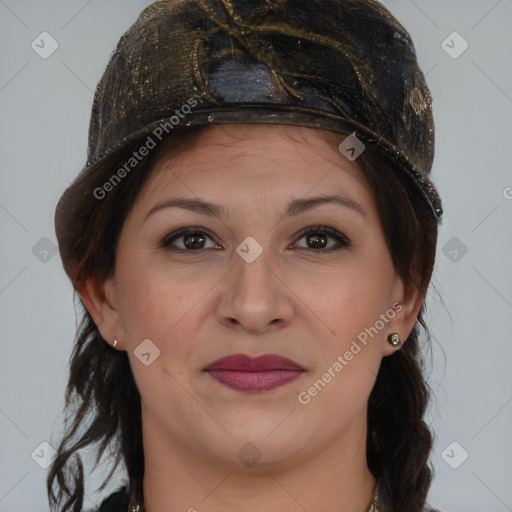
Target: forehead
<point x="256" y="160"/>
<point x="242" y="144"/>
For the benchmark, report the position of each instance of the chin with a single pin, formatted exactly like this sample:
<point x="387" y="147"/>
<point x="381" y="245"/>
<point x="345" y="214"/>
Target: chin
<point x="258" y="446"/>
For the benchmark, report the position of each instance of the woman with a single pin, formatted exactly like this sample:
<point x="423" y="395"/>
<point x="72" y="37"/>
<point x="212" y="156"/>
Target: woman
<point x="252" y="238"/>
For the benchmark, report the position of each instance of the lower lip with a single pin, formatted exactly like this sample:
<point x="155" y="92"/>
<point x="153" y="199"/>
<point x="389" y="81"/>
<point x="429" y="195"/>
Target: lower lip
<point x="255" y="382"/>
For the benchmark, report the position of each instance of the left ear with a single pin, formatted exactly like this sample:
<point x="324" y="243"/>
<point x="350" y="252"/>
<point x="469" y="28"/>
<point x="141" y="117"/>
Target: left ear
<point x="406" y="301"/>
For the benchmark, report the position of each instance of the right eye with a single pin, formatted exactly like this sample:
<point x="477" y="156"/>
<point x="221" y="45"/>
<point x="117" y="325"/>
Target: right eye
<point x="188" y="239"/>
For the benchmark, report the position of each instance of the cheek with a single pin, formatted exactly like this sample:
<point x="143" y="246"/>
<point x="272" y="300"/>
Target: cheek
<point x="350" y="302"/>
<point x="351" y="349"/>
<point x="166" y="308"/>
<point x="158" y="308"/>
<point x="149" y="304"/>
<point x="350" y="298"/>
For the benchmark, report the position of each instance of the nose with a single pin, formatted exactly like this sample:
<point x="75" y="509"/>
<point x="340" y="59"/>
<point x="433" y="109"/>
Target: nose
<point x="255" y="297"/>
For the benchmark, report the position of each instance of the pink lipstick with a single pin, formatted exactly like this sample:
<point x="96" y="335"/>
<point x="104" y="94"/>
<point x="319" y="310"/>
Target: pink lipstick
<point x="254" y="374"/>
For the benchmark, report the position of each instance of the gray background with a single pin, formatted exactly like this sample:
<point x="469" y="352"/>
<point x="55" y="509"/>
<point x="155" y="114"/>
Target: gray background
<point x="45" y="105"/>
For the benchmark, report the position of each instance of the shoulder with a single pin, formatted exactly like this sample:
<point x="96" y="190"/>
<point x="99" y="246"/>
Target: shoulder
<point x="116" y="502"/>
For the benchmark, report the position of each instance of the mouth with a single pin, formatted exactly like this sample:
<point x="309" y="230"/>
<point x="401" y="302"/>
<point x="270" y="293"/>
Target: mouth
<point x="263" y="373"/>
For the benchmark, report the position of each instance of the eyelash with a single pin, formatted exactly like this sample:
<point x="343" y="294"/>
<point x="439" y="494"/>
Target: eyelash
<point x="340" y="238"/>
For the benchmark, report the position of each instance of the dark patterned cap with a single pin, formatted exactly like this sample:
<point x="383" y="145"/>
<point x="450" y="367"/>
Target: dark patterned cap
<point x="341" y="65"/>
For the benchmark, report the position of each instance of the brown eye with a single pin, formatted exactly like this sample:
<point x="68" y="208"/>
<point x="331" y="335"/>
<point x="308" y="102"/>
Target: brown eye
<point x="188" y="240"/>
<point x="317" y="239"/>
<point x="194" y="241"/>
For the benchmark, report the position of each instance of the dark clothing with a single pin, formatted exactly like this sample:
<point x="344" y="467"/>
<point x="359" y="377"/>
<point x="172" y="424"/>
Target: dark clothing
<point x="116" y="502"/>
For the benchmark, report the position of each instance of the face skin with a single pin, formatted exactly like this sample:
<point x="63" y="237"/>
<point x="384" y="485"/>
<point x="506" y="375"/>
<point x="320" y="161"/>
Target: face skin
<point x="304" y="303"/>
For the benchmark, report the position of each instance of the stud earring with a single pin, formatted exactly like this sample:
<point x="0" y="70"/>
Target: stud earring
<point x="114" y="344"/>
<point x="394" y="339"/>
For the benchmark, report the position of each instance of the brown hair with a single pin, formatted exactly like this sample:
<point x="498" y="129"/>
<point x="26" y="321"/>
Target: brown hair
<point x="102" y="399"/>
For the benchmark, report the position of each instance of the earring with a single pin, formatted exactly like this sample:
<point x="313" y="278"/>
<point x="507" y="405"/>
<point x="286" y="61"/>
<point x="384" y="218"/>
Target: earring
<point x="114" y="344"/>
<point x="394" y="339"/>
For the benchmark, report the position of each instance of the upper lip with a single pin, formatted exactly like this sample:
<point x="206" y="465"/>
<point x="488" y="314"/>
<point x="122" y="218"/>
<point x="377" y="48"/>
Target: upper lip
<point x="245" y="363"/>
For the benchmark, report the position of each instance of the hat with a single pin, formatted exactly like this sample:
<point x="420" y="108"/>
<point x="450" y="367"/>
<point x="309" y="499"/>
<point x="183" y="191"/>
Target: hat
<point x="341" y="65"/>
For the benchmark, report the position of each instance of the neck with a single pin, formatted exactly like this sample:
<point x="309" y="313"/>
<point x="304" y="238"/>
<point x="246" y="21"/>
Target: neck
<point x="182" y="478"/>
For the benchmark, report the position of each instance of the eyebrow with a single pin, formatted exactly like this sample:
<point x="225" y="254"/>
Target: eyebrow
<point x="295" y="207"/>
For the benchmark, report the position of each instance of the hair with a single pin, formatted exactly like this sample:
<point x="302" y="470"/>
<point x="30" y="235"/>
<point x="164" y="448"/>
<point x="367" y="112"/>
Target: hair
<point x="102" y="400"/>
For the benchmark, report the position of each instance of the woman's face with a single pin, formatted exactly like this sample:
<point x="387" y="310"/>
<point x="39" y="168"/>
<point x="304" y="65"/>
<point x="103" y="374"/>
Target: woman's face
<point x="259" y="240"/>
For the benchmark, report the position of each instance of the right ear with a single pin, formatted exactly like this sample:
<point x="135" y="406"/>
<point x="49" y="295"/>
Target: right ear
<point x="99" y="298"/>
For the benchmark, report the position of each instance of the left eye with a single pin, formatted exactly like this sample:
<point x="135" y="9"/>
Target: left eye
<point x="318" y="237"/>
